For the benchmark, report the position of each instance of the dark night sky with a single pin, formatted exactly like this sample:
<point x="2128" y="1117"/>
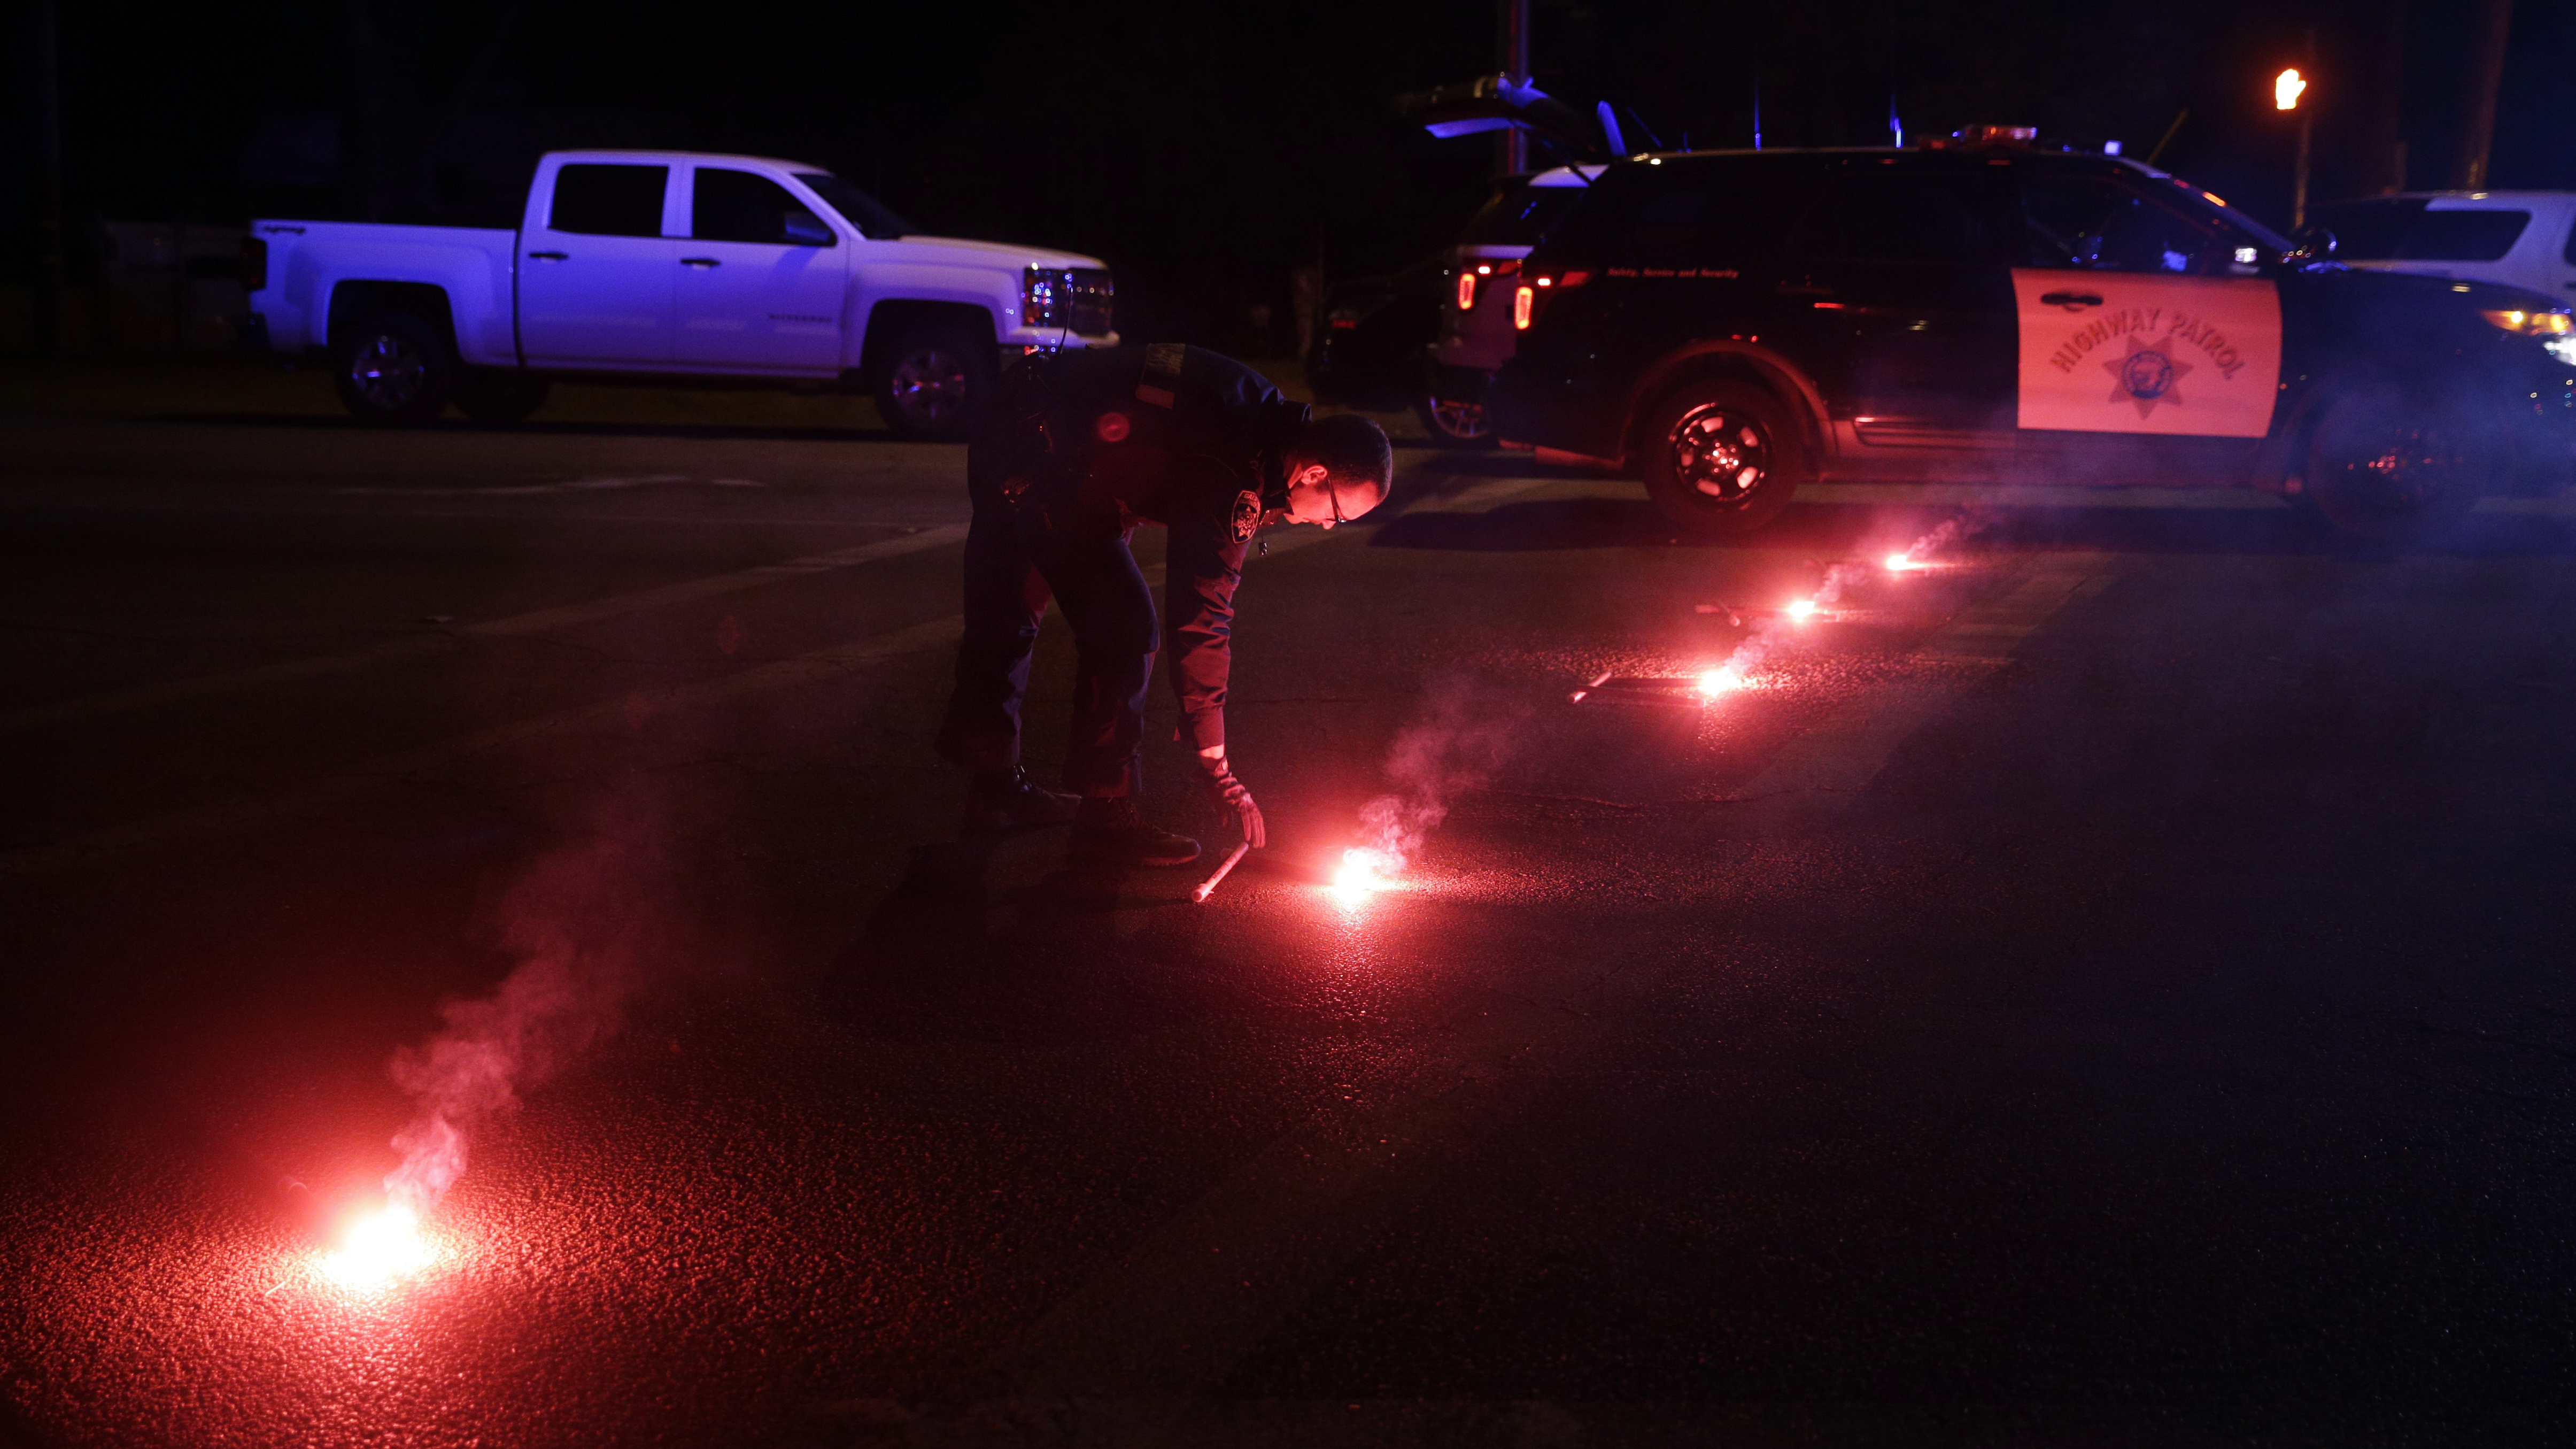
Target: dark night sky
<point x="1204" y="149"/>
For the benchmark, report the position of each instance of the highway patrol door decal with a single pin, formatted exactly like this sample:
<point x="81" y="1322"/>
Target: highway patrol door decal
<point x="2130" y="352"/>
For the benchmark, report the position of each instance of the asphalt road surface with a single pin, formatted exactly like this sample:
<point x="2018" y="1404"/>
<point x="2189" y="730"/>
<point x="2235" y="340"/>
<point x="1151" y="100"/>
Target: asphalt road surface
<point x="2110" y="987"/>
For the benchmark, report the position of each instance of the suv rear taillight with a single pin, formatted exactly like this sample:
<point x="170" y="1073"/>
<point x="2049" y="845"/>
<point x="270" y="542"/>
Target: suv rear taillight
<point x="254" y="264"/>
<point x="1466" y="290"/>
<point x="1524" y="302"/>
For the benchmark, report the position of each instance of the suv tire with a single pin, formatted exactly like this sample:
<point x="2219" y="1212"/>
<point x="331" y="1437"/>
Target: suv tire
<point x="1451" y="404"/>
<point x="2395" y="464"/>
<point x="936" y="380"/>
<point x="1722" y="458"/>
<point x="500" y="394"/>
<point x="395" y="370"/>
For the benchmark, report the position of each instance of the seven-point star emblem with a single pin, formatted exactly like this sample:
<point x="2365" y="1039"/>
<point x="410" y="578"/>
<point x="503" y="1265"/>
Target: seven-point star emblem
<point x="2147" y="376"/>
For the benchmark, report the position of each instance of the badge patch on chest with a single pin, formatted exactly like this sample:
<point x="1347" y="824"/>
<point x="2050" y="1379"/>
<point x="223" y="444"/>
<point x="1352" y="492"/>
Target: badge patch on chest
<point x="1247" y="515"/>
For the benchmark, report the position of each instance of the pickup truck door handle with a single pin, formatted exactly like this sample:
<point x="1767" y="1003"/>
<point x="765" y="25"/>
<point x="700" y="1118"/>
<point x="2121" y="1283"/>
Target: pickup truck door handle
<point x="545" y="256"/>
<point x="700" y="262"/>
<point x="2071" y="301"/>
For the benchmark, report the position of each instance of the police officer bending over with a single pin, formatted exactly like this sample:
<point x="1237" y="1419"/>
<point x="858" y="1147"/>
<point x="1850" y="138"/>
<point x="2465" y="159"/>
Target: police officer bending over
<point x="1076" y="449"/>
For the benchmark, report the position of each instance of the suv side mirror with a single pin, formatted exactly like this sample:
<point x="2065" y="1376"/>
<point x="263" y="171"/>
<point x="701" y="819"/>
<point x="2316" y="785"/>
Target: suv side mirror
<point x="2313" y="246"/>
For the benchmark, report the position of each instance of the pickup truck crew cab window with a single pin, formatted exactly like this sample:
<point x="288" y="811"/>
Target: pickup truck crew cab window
<point x="738" y="206"/>
<point x="593" y="200"/>
<point x="595" y="281"/>
<point x="759" y="285"/>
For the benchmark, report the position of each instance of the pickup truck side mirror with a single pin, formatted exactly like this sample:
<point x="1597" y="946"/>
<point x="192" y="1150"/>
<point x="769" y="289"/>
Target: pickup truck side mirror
<point x="2314" y="246"/>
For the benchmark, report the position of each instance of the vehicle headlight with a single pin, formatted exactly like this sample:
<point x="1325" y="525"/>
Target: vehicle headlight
<point x="1045" y="297"/>
<point x="2562" y="347"/>
<point x="2551" y="323"/>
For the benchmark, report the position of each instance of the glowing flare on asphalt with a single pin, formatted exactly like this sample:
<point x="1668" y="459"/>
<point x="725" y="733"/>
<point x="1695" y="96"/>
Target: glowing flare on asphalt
<point x="378" y="1248"/>
<point x="1898" y="563"/>
<point x="1363" y="873"/>
<point x="1720" y="681"/>
<point x="1803" y="610"/>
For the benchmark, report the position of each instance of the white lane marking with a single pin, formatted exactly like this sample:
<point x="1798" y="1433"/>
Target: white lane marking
<point x="2035" y="495"/>
<point x="1843" y="754"/>
<point x="430" y="646"/>
<point x="371" y="511"/>
<point x="515" y="490"/>
<point x="350" y="783"/>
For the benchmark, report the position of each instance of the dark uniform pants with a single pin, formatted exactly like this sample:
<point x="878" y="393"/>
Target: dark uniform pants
<point x="1030" y="536"/>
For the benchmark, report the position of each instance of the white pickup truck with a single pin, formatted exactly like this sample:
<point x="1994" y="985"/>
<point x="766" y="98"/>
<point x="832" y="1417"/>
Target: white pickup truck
<point x="671" y="265"/>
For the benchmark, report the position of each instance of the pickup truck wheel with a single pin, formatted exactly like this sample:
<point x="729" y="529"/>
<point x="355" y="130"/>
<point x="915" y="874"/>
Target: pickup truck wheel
<point x="936" y="378"/>
<point x="500" y="394"/>
<point x="397" y="370"/>
<point x="1722" y="458"/>
<point x="2394" y="464"/>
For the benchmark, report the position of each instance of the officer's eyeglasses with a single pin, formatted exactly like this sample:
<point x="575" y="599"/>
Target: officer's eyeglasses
<point x="1332" y="498"/>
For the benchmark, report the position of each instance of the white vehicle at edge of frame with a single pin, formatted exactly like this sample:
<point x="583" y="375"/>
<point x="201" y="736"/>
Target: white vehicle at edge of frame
<point x="666" y="265"/>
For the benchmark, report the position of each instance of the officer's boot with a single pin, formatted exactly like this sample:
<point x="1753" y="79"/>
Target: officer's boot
<point x="1109" y="830"/>
<point x="1009" y="800"/>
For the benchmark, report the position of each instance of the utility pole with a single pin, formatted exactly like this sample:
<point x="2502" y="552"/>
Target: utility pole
<point x="2384" y="168"/>
<point x="2486" y="77"/>
<point x="44" y="93"/>
<point x="1514" y="23"/>
<point x="2288" y="88"/>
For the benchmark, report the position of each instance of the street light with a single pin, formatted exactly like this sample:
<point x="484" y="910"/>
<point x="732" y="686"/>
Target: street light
<point x="2287" y="88"/>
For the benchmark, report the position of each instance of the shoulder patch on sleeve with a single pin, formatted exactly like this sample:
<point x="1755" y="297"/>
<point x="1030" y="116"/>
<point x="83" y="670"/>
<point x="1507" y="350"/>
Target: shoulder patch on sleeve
<point x="1163" y="360"/>
<point x="1247" y="515"/>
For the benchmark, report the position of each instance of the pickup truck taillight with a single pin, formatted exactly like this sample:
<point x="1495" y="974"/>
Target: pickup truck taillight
<point x="1075" y="300"/>
<point x="254" y="264"/>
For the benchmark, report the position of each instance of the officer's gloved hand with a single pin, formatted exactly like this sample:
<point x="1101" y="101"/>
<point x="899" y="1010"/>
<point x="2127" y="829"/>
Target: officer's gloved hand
<point x="1231" y="794"/>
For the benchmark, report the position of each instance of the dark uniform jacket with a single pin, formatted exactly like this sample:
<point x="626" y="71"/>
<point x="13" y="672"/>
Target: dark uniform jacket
<point x="1167" y="434"/>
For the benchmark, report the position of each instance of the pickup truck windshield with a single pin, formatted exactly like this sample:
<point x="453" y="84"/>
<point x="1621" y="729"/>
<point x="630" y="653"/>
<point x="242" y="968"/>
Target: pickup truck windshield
<point x="871" y="216"/>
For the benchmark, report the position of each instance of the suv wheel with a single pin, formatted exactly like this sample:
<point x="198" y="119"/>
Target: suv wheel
<point x="1453" y="416"/>
<point x="935" y="381"/>
<point x="2390" y="464"/>
<point x="396" y="370"/>
<point x="1722" y="458"/>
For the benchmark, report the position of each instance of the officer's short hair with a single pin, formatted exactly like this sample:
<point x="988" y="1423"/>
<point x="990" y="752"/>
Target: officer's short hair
<point x="1354" y="452"/>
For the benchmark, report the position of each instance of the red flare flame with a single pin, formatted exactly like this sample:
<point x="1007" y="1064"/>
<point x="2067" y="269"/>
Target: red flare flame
<point x="378" y="1249"/>
<point x="1363" y="873"/>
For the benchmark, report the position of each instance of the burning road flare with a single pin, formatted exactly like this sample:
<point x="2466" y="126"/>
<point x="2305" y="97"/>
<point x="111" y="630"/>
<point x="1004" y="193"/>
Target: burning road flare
<point x="1720" y="681"/>
<point x="1362" y="874"/>
<point x="378" y="1249"/>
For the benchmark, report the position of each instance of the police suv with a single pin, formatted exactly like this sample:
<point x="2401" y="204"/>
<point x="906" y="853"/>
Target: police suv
<point x="1732" y="324"/>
